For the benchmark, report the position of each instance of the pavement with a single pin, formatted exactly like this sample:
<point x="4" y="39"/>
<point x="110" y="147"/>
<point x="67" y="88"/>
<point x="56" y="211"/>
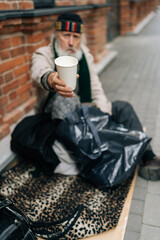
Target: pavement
<point x="134" y="76"/>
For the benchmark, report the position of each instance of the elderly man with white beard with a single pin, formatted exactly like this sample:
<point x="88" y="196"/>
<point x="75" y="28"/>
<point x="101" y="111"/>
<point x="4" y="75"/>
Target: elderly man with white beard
<point x="54" y="96"/>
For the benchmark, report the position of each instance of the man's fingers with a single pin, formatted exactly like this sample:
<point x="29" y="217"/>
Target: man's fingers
<point x="58" y="81"/>
<point x="53" y="79"/>
<point x="60" y="86"/>
<point x="66" y="94"/>
<point x="63" y="89"/>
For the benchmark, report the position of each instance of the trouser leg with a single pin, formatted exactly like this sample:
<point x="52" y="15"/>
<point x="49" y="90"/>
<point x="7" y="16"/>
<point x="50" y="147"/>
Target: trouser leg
<point x="123" y="113"/>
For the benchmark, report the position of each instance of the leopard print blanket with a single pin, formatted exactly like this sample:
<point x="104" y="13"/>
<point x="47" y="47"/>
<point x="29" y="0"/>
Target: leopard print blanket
<point x="63" y="207"/>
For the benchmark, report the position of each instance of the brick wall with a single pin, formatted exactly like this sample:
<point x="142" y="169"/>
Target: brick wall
<point x="132" y="13"/>
<point x="29" y="4"/>
<point x="19" y="38"/>
<point x="10" y="5"/>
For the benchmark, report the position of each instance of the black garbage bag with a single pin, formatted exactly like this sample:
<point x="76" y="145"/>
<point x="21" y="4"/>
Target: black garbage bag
<point x="32" y="139"/>
<point x="106" y="152"/>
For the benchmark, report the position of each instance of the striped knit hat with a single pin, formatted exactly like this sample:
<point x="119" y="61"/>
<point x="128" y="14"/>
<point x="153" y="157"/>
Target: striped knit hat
<point x="69" y="22"/>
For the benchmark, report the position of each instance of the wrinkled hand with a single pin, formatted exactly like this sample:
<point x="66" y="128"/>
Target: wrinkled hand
<point x="59" y="85"/>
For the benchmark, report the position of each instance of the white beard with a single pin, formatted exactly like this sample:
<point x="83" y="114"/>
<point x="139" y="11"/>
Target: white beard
<point x="77" y="53"/>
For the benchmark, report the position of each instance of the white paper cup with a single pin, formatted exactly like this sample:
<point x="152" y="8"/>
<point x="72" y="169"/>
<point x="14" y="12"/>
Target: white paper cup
<point x="67" y="70"/>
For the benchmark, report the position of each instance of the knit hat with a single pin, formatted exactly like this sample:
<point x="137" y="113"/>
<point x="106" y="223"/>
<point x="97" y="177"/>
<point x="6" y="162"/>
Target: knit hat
<point x="69" y="22"/>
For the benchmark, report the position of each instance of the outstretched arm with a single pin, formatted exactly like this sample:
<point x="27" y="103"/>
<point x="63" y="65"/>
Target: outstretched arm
<point x="59" y="85"/>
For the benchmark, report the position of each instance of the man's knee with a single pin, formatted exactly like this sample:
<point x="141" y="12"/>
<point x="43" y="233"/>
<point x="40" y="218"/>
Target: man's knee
<point x="122" y="106"/>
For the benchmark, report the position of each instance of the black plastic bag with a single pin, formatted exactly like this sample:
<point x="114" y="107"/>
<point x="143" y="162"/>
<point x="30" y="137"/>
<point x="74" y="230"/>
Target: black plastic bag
<point x="14" y="224"/>
<point x="32" y="139"/>
<point x="107" y="153"/>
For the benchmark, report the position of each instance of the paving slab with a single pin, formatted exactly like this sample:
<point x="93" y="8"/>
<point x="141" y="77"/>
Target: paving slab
<point x="152" y="210"/>
<point x="150" y="233"/>
<point x="137" y="207"/>
<point x="140" y="182"/>
<point x="154" y="187"/>
<point x="131" y="236"/>
<point x="139" y="193"/>
<point x="134" y="223"/>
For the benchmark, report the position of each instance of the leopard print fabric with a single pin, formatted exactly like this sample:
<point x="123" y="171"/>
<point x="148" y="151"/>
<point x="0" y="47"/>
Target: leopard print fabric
<point x="63" y="207"/>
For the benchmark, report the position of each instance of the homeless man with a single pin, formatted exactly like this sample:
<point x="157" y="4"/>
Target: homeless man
<point x="68" y="41"/>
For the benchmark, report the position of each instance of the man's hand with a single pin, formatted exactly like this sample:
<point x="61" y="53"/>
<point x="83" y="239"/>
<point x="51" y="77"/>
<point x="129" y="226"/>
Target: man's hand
<point x="59" y="85"/>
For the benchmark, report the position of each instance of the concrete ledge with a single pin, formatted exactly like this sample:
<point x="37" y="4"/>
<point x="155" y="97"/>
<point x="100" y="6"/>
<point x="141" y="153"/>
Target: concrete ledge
<point x="142" y="24"/>
<point x="106" y="61"/>
<point x="6" y="155"/>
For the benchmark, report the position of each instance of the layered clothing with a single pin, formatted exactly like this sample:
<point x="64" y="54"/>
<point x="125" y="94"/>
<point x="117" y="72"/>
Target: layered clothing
<point x="43" y="61"/>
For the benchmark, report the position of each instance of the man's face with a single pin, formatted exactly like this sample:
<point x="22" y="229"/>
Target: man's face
<point x="69" y="41"/>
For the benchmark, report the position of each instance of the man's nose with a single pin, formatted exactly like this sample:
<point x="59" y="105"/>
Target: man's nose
<point x="71" y="41"/>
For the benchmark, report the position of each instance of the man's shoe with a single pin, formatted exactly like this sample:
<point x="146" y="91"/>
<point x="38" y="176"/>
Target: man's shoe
<point x="150" y="170"/>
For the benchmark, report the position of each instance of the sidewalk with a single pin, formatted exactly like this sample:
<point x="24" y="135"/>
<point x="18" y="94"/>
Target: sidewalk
<point x="134" y="76"/>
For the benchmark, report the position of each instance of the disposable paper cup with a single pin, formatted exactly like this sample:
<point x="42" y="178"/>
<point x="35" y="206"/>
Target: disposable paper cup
<point x="67" y="70"/>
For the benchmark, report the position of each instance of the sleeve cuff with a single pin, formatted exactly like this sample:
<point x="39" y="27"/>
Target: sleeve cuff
<point x="44" y="81"/>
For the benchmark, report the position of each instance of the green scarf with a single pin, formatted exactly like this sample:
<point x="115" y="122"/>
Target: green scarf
<point x="84" y="82"/>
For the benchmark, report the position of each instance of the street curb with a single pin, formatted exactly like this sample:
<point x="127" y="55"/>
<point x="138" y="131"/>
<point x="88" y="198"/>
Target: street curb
<point x="106" y="61"/>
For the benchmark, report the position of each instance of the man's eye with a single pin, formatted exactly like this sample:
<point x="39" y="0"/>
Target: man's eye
<point x="75" y="36"/>
<point x="66" y="35"/>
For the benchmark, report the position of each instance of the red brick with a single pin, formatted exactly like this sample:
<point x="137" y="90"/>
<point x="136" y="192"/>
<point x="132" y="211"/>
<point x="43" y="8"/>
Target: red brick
<point x="10" y="86"/>
<point x="26" y="5"/>
<point x="5" y="43"/>
<point x="26" y="59"/>
<point x="4" y="130"/>
<point x="13" y="104"/>
<point x="1" y="92"/>
<point x="37" y="27"/>
<point x="5" y="54"/>
<point x="17" y="21"/>
<point x="19" y="60"/>
<point x="13" y="116"/>
<point x="10" y="29"/>
<point x="8" y="76"/>
<point x="16" y="41"/>
<point x="7" y="65"/>
<point x="23" y="79"/>
<point x="64" y="3"/>
<point x="1" y="120"/>
<point x="24" y="88"/>
<point x="1" y="24"/>
<point x="17" y="51"/>
<point x="32" y="20"/>
<point x="21" y="70"/>
<point x="30" y="57"/>
<point x="52" y="17"/>
<point x="12" y="95"/>
<point x="5" y="6"/>
<point x="1" y="80"/>
<point x="3" y="100"/>
<point x="32" y="48"/>
<point x="2" y="111"/>
<point x="25" y="96"/>
<point x="15" y="6"/>
<point x="27" y="106"/>
<point x="34" y="38"/>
